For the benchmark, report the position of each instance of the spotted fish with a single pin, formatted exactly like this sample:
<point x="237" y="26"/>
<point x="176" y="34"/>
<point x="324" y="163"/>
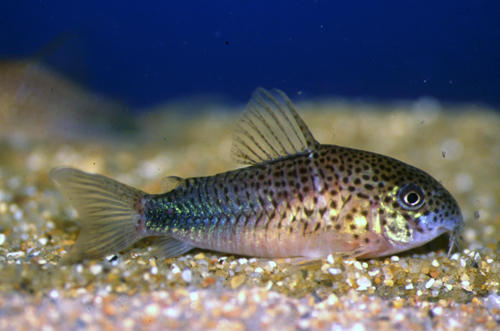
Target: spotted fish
<point x="295" y="198"/>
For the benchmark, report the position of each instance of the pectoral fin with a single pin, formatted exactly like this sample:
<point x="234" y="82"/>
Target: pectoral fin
<point x="165" y="246"/>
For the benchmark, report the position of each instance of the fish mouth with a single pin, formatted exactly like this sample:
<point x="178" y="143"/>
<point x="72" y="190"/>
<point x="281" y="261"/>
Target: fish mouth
<point x="427" y="231"/>
<point x="453" y="227"/>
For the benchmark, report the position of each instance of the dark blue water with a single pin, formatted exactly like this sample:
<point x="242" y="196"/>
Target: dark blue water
<point x="146" y="53"/>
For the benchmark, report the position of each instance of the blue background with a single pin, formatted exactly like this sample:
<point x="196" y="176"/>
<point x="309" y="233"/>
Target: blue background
<point x="145" y="53"/>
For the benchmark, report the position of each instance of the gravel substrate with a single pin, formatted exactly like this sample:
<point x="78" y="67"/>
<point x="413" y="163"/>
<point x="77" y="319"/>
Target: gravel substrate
<point x="418" y="290"/>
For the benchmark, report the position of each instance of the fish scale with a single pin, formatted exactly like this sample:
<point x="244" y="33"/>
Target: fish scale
<point x="296" y="198"/>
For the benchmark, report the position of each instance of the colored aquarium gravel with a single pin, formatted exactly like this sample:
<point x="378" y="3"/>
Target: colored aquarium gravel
<point x="135" y="289"/>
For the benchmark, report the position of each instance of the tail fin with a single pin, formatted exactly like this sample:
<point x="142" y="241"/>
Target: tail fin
<point x="110" y="212"/>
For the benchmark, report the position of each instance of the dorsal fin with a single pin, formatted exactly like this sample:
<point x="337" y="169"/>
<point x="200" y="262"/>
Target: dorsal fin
<point x="270" y="128"/>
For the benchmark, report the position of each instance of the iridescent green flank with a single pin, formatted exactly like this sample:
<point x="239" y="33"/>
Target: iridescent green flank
<point x="296" y="198"/>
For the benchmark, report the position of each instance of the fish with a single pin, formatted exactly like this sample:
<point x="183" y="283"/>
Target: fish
<point x="38" y="102"/>
<point x="294" y="197"/>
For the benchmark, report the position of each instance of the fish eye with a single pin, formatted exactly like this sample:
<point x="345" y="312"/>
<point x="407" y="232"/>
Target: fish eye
<point x="410" y="197"/>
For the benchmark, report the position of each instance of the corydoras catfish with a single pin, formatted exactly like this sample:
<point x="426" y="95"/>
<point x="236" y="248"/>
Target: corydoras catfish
<point x="295" y="198"/>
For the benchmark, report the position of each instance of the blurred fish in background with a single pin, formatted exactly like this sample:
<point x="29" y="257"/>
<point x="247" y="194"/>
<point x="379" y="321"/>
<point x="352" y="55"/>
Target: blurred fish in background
<point x="37" y="101"/>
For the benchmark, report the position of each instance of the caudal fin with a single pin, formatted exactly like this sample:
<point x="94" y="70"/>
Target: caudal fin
<point x="110" y="212"/>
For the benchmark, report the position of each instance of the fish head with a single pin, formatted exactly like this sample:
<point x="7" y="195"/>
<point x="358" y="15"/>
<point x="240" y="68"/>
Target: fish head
<point x="414" y="208"/>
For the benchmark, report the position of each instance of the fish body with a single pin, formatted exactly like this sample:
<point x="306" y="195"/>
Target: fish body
<point x="297" y="198"/>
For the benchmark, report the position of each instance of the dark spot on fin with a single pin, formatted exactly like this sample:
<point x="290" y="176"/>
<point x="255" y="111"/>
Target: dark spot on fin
<point x="109" y="212"/>
<point x="270" y="128"/>
<point x="166" y="246"/>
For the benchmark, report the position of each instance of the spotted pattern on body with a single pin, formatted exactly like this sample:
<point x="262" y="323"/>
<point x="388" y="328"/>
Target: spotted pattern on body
<point x="331" y="200"/>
